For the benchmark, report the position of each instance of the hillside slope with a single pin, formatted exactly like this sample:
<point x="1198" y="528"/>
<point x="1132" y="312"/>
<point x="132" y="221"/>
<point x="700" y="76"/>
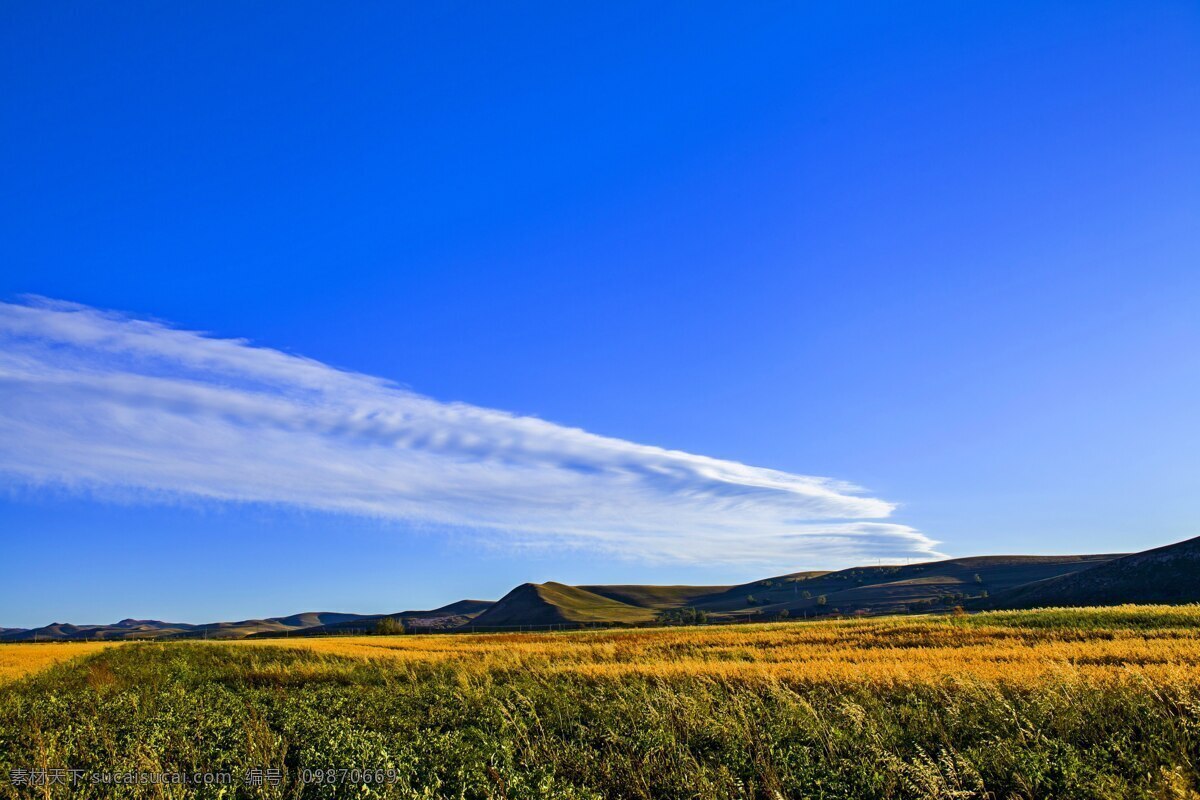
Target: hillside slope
<point x="1164" y="575"/>
<point x="155" y="629"/>
<point x="916" y="587"/>
<point x="872" y="590"/>
<point x="657" y="597"/>
<point x="449" y="616"/>
<point x="125" y="629"/>
<point x="250" y="627"/>
<point x="1169" y="574"/>
<point x="556" y="603"/>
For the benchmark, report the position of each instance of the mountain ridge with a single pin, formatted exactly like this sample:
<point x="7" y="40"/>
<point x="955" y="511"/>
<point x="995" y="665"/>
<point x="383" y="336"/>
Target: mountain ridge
<point x="1169" y="574"/>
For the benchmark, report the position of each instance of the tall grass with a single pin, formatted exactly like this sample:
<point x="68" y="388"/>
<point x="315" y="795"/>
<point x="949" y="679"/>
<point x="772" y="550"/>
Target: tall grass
<point x="988" y="707"/>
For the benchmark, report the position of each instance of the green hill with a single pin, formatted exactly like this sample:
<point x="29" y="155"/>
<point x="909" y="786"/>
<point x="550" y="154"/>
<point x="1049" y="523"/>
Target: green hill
<point x="873" y="590"/>
<point x="918" y="587"/>
<point x="656" y="597"/>
<point x="1164" y="575"/>
<point x="538" y="604"/>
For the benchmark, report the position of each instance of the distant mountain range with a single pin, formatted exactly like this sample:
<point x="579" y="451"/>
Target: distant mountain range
<point x="312" y="622"/>
<point x="1168" y="574"/>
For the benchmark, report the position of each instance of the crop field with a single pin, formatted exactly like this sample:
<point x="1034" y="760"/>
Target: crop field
<point x="17" y="661"/>
<point x="1080" y="703"/>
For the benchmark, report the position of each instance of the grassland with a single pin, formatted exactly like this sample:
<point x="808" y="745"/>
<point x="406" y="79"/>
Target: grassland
<point x="17" y="661"/>
<point x="1081" y="703"/>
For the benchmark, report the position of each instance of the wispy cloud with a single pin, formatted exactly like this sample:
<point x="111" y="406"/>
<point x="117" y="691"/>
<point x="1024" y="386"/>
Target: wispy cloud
<point x="102" y="402"/>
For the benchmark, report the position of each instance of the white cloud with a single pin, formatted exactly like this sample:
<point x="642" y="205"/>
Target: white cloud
<point x="101" y="402"/>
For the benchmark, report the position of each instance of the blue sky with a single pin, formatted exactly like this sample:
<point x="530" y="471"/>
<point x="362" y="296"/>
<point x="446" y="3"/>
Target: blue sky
<point x="943" y="252"/>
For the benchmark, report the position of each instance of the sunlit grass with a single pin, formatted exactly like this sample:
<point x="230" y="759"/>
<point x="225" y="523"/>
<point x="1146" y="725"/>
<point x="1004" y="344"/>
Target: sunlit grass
<point x="1020" y="648"/>
<point x="1017" y="647"/>
<point x="25" y="658"/>
<point x="1084" y="703"/>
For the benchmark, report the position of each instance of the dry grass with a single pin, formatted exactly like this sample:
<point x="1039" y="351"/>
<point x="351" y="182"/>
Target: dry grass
<point x="1088" y="704"/>
<point x="1005" y="647"/>
<point x="19" y="660"/>
<point x="989" y="647"/>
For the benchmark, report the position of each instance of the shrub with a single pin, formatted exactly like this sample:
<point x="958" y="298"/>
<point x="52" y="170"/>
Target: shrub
<point x="388" y="626"/>
<point x="683" y="616"/>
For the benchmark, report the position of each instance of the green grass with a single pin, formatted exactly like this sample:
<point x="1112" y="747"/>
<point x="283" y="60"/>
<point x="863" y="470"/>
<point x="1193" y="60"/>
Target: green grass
<point x="1111" y="617"/>
<point x="451" y="730"/>
<point x="578" y="605"/>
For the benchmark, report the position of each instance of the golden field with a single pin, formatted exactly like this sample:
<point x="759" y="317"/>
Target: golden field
<point x="19" y="660"/>
<point x="998" y="646"/>
<point x="1097" y="703"/>
<point x="1121" y="642"/>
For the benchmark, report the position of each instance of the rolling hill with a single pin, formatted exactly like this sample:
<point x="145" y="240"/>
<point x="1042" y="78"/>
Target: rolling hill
<point x="251" y="627"/>
<point x="871" y="590"/>
<point x="447" y="617"/>
<point x="913" y="587"/>
<point x="1163" y="575"/>
<point x="311" y="622"/>
<point x="1169" y="574"/>
<point x="125" y="629"/>
<point x="546" y="604"/>
<point x="155" y="629"/>
<point x="657" y="597"/>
